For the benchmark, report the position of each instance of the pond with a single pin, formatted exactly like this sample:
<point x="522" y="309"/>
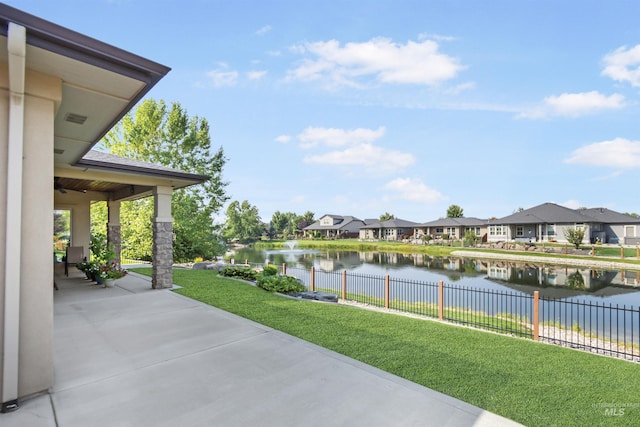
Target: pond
<point x="552" y="281"/>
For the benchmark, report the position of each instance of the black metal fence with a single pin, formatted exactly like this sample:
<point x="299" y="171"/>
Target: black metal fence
<point x="597" y="327"/>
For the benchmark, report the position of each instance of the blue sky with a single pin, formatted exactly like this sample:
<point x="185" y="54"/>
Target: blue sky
<point x="366" y="107"/>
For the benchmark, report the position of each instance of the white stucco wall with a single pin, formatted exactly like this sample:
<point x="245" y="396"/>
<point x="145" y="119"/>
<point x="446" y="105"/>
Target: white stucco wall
<point x="36" y="265"/>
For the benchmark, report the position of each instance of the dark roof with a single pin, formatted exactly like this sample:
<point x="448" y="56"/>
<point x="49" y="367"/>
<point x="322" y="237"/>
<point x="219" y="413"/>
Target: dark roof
<point x="455" y="222"/>
<point x="345" y="222"/>
<point x="546" y="213"/>
<point x="99" y="160"/>
<point x="607" y="216"/>
<point x="392" y="223"/>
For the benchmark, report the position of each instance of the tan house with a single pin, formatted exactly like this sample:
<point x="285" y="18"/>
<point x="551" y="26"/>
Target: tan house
<point x="393" y="229"/>
<point x="452" y="228"/>
<point x="60" y="93"/>
<point x="335" y="226"/>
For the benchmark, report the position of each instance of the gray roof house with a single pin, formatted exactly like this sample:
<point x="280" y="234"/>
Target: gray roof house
<point x="454" y="227"/>
<point x="392" y="229"/>
<point x="334" y="226"/>
<point x="549" y="222"/>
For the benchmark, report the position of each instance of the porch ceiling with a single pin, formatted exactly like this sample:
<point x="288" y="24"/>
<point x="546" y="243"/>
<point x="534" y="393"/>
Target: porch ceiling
<point x="100" y="83"/>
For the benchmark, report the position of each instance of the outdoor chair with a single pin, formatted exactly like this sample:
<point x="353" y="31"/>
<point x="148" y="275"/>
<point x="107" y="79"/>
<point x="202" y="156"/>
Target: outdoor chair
<point x="75" y="255"/>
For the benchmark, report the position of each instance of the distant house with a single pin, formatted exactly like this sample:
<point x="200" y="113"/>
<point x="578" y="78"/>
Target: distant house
<point x="393" y="229"/>
<point x="613" y="227"/>
<point x="549" y="222"/>
<point x="335" y="226"/>
<point x="454" y="228"/>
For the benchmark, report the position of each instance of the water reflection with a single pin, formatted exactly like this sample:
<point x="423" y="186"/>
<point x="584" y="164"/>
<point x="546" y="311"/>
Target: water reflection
<point x="551" y="281"/>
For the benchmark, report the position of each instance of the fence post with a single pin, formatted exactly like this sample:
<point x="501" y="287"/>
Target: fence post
<point x="441" y="300"/>
<point x="312" y="280"/>
<point x="386" y="291"/>
<point x="536" y="316"/>
<point x="284" y="268"/>
<point x="344" y="284"/>
<point x="621" y="252"/>
<point x="246" y="261"/>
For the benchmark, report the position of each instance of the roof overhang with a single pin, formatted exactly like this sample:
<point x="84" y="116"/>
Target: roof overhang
<point x="100" y="82"/>
<point x="107" y="177"/>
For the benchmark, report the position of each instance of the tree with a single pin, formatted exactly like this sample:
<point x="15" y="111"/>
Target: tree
<point x="306" y="220"/>
<point x="386" y="217"/>
<point x="454" y="211"/>
<point x="287" y="224"/>
<point x="243" y="222"/>
<point x="167" y="136"/>
<point x="574" y="236"/>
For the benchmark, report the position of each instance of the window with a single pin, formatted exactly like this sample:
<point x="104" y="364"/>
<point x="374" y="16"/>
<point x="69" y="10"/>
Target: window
<point x="551" y="230"/>
<point x="519" y="231"/>
<point x="495" y="230"/>
<point x="475" y="230"/>
<point x="439" y="230"/>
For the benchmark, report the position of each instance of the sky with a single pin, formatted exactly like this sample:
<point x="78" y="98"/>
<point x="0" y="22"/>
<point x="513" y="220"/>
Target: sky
<point x="403" y="107"/>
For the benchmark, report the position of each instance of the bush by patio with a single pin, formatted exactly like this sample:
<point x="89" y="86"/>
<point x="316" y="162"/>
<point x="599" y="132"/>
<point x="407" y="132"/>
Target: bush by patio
<point x="281" y="284"/>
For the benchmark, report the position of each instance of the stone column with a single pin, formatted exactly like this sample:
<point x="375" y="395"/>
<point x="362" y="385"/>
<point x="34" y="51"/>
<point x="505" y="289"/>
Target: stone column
<point x="114" y="239"/>
<point x="162" y="239"/>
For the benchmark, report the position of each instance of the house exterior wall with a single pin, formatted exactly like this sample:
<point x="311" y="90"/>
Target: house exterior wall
<point x="35" y="352"/>
<point x="615" y="233"/>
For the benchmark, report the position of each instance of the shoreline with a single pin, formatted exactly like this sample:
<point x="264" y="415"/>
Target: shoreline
<point x="593" y="263"/>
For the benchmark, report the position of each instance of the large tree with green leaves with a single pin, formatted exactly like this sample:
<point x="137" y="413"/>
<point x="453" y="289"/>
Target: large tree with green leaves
<point x="386" y="217"/>
<point x="289" y="224"/>
<point x="165" y="134"/>
<point x="243" y="222"/>
<point x="454" y="211"/>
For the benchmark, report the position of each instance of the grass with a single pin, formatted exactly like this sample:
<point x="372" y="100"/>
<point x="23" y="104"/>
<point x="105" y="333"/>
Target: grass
<point x="533" y="383"/>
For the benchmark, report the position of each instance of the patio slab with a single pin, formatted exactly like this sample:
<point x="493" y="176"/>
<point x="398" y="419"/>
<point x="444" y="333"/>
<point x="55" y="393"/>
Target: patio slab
<point x="132" y="356"/>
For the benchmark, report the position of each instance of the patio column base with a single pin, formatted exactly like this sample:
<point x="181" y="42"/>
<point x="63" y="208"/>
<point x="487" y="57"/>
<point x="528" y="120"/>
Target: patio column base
<point x="162" y="255"/>
<point x="10" y="406"/>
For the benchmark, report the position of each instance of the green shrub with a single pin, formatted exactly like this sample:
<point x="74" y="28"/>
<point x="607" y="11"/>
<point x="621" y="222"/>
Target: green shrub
<point x="244" y="273"/>
<point x="270" y="270"/>
<point x="281" y="284"/>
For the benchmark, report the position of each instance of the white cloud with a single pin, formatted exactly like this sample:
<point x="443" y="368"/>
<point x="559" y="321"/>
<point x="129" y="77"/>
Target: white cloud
<point x="414" y="190"/>
<point x="283" y="139"/>
<point x="373" y="159"/>
<point x="460" y="88"/>
<point x="221" y="77"/>
<point x="437" y="37"/>
<point x="264" y="30"/>
<point x="256" y="75"/>
<point x="332" y="137"/>
<point x="623" y="65"/>
<point x="618" y="153"/>
<point x="575" y="105"/>
<point x="379" y="59"/>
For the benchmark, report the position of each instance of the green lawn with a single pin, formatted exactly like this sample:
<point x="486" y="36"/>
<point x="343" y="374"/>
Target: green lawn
<point x="532" y="383"/>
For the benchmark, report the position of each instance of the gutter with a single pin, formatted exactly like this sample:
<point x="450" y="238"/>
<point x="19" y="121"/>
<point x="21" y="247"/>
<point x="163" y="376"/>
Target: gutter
<point x="16" y="46"/>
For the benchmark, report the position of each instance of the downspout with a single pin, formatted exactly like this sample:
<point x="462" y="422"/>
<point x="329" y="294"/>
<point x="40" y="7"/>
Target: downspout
<point x="16" y="45"/>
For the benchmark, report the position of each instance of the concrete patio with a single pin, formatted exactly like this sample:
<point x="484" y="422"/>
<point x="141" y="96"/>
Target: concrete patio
<point x="133" y="356"/>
